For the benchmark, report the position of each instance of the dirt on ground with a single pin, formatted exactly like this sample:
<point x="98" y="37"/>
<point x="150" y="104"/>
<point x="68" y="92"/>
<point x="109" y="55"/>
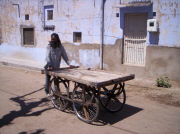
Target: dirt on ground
<point x="25" y="109"/>
<point x="169" y="96"/>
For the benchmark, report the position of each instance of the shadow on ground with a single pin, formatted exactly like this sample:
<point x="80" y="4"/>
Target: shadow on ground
<point x="25" y="109"/>
<point x="112" y="118"/>
<point x="38" y="131"/>
<point x="106" y="117"/>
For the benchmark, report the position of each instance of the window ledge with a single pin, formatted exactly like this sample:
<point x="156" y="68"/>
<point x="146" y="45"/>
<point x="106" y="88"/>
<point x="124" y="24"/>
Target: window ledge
<point x="49" y="27"/>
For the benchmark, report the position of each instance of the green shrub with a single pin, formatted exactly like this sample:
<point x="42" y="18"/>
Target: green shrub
<point x="163" y="82"/>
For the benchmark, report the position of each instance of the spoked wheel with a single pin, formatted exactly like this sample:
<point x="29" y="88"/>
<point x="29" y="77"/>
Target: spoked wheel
<point x="57" y="88"/>
<point x="113" y="100"/>
<point x="85" y="105"/>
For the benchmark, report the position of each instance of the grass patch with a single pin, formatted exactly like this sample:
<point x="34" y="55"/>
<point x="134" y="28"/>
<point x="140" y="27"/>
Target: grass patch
<point x="163" y="82"/>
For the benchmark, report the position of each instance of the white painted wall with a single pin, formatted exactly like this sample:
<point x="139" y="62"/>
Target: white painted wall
<point x="72" y="16"/>
<point x="69" y="16"/>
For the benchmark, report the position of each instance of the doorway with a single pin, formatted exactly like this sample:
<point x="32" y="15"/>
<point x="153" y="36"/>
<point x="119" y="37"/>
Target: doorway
<point x="135" y="33"/>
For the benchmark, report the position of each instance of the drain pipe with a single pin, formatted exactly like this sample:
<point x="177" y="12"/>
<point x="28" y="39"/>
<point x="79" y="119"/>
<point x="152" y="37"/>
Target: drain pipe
<point x="102" y="34"/>
<point x="18" y="8"/>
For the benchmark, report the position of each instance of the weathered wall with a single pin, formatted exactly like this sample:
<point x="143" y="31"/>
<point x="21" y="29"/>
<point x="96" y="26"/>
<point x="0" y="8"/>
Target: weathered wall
<point x="163" y="61"/>
<point x="78" y="16"/>
<point x="12" y="19"/>
<point x="112" y="31"/>
<point x="113" y="55"/>
<point x="0" y="33"/>
<point x="168" y="16"/>
<point x="160" y="61"/>
<point x="113" y="61"/>
<point x="85" y="16"/>
<point x="86" y="55"/>
<point x="69" y="16"/>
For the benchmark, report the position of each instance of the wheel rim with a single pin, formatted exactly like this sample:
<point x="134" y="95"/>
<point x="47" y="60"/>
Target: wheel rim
<point x="89" y="110"/>
<point x="58" y="102"/>
<point x="112" y="101"/>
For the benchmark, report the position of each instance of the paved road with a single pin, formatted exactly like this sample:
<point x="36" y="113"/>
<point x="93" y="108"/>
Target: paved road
<point x="24" y="109"/>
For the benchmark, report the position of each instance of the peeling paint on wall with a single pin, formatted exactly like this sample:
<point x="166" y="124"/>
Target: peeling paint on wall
<point x="36" y="54"/>
<point x="0" y="32"/>
<point x="168" y="16"/>
<point x="83" y="16"/>
<point x="89" y="58"/>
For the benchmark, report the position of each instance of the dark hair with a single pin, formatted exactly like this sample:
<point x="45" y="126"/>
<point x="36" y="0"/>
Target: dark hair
<point x="57" y="37"/>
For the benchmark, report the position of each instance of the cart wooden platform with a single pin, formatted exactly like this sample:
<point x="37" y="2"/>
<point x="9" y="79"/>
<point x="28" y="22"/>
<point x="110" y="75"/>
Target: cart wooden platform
<point x="89" y="89"/>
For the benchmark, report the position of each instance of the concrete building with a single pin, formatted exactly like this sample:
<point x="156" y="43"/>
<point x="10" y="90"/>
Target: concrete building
<point x="129" y="36"/>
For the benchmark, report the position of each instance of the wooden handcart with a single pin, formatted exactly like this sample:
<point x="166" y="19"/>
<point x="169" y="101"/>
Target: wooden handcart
<point x="86" y="89"/>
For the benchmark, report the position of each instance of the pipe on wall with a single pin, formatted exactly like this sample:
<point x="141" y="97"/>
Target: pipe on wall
<point x="18" y="9"/>
<point x="102" y="34"/>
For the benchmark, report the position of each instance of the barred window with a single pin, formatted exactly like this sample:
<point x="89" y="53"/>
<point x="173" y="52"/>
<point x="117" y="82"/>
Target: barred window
<point x="28" y="36"/>
<point x="49" y="14"/>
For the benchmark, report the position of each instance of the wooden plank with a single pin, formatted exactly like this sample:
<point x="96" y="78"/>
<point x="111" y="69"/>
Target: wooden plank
<point x="91" y="77"/>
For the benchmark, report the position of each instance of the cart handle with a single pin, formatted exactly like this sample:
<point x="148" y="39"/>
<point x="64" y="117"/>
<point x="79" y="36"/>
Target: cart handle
<point x="43" y="71"/>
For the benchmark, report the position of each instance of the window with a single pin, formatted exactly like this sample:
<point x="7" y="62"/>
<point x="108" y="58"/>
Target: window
<point x="26" y="16"/>
<point x="154" y="14"/>
<point x="77" y="36"/>
<point x="28" y="36"/>
<point x="48" y="17"/>
<point x="49" y="14"/>
<point x="117" y="14"/>
<point x="49" y="27"/>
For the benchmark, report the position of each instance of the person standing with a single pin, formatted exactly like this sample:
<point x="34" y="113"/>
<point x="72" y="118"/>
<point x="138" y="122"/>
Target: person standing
<point x="55" y="51"/>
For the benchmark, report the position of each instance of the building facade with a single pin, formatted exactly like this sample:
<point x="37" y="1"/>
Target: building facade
<point x="129" y="36"/>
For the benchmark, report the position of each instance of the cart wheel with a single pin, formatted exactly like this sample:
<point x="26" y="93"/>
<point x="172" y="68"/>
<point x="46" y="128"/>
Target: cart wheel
<point x="112" y="100"/>
<point x="54" y="92"/>
<point x="85" y="105"/>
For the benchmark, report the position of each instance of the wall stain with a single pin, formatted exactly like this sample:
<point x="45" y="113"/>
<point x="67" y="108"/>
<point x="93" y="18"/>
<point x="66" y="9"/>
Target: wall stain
<point x="73" y="50"/>
<point x="113" y="55"/>
<point x="0" y="32"/>
<point x="174" y="12"/>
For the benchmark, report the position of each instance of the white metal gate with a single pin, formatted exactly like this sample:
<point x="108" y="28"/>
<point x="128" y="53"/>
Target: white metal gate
<point x="135" y="39"/>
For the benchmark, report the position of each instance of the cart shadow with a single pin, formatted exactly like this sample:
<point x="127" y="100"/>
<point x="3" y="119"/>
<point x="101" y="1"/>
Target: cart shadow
<point x="25" y="108"/>
<point x="106" y="117"/>
<point x="111" y="118"/>
<point x="38" y="131"/>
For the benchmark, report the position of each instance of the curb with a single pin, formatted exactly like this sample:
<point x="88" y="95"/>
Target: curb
<point x="20" y="66"/>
